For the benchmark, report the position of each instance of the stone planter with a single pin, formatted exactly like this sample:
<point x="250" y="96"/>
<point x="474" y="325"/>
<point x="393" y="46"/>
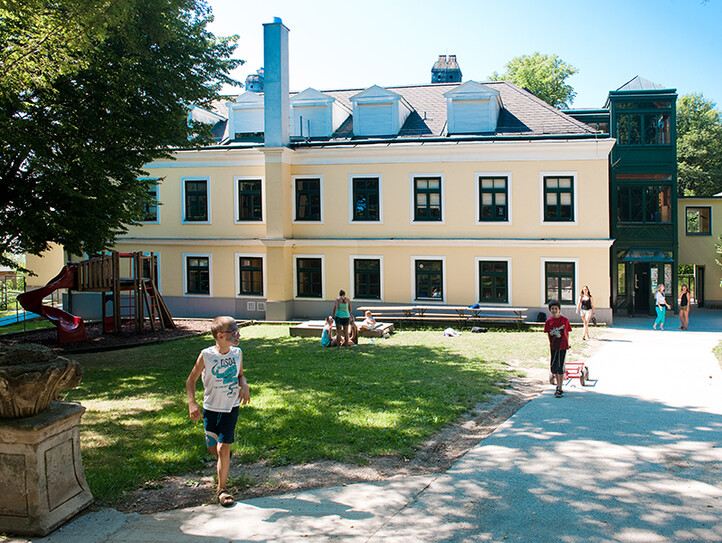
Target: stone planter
<point x="40" y="466"/>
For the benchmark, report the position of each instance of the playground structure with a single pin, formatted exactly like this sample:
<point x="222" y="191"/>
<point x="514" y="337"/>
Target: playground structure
<point x="126" y="281"/>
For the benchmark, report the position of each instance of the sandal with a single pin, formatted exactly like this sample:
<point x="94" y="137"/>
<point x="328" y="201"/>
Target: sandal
<point x="558" y="393"/>
<point x="225" y="498"/>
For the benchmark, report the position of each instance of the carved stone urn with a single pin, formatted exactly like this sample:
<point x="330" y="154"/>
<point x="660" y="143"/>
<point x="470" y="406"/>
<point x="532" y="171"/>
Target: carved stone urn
<point x="43" y="478"/>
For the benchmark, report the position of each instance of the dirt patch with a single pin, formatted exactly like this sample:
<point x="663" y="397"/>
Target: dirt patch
<point x="257" y="480"/>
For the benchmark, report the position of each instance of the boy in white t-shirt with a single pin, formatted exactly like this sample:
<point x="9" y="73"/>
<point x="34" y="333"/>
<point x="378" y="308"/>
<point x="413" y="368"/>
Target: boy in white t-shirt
<point x="224" y="389"/>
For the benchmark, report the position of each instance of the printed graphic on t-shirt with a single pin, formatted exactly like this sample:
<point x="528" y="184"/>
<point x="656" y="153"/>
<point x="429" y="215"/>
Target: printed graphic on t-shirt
<point x="226" y="372"/>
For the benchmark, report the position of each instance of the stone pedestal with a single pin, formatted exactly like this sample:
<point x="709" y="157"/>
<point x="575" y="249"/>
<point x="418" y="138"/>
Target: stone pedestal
<point x="43" y="481"/>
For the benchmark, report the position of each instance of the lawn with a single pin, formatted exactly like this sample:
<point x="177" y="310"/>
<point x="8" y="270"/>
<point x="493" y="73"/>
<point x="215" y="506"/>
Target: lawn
<point x="308" y="403"/>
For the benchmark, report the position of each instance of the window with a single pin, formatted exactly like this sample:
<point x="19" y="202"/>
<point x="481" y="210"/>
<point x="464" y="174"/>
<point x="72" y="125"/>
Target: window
<point x="195" y="200"/>
<point x="151" y="209"/>
<point x="308" y="199"/>
<point x="493" y="282"/>
<point x="309" y="277"/>
<point x="198" y="275"/>
<point x="558" y="199"/>
<point x="365" y="198"/>
<point x="429" y="279"/>
<point x="699" y="221"/>
<point x="559" y="281"/>
<point x="427" y="199"/>
<point x="367" y="278"/>
<point x="249" y="200"/>
<point x="250" y="275"/>
<point x="493" y="199"/>
<point x="643" y="128"/>
<point x="640" y="203"/>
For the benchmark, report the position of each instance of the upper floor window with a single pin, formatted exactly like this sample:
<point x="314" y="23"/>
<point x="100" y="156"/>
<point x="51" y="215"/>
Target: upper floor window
<point x="427" y="199"/>
<point x="366" y="198"/>
<point x="151" y="209"/>
<point x="195" y="200"/>
<point x="493" y="199"/>
<point x="643" y="128"/>
<point x="640" y="203"/>
<point x="558" y="199"/>
<point x="308" y="199"/>
<point x="250" y="200"/>
<point x="699" y="221"/>
<point x="198" y="274"/>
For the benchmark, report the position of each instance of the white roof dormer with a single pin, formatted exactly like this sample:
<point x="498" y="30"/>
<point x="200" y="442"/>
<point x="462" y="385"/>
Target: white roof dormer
<point x="472" y="108"/>
<point x="316" y="115"/>
<point x="378" y="112"/>
<point x="245" y="115"/>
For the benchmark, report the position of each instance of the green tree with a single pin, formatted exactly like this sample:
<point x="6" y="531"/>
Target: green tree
<point x="699" y="146"/>
<point x="543" y="75"/>
<point x="87" y="101"/>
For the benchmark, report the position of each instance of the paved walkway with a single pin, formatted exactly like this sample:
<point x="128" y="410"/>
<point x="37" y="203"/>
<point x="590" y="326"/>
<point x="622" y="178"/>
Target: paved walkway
<point x="634" y="457"/>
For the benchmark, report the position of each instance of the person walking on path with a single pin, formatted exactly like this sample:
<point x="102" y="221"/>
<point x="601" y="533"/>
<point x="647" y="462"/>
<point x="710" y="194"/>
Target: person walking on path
<point x="661" y="305"/>
<point x="224" y="389"/>
<point x="342" y="315"/>
<point x="684" y="307"/>
<point x="585" y="308"/>
<point x="557" y="327"/>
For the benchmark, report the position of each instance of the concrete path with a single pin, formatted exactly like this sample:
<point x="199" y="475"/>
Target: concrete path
<point x="634" y="457"/>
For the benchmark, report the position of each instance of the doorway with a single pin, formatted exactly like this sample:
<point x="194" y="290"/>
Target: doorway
<point x="699" y="285"/>
<point x="642" y="288"/>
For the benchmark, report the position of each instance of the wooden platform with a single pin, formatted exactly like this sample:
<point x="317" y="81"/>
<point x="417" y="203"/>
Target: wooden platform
<point x="315" y="328"/>
<point x="471" y="315"/>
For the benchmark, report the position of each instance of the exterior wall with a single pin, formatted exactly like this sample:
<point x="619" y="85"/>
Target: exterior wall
<point x="459" y="240"/>
<point x="45" y="266"/>
<point x="699" y="250"/>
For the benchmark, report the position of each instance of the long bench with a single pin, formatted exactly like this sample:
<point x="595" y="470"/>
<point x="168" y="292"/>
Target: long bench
<point x="451" y="313"/>
<point x="315" y="329"/>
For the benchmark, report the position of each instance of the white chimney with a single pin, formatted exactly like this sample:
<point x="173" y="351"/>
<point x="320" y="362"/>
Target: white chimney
<point x="275" y="64"/>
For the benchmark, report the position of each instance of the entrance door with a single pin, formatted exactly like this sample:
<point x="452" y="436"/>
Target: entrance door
<point x="642" y="288"/>
<point x="699" y="285"/>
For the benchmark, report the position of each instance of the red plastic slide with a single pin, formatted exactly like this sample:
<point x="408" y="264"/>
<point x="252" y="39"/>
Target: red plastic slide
<point x="70" y="327"/>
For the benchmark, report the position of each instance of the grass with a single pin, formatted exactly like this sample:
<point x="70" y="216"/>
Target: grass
<point x="308" y="403"/>
<point x="29" y="325"/>
<point x="718" y="353"/>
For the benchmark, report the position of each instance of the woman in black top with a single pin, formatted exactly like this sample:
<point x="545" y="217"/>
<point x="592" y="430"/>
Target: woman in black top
<point x="684" y="307"/>
<point x="585" y="307"/>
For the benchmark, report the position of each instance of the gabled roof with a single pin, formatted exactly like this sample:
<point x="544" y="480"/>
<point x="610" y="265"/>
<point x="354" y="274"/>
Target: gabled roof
<point x="311" y="96"/>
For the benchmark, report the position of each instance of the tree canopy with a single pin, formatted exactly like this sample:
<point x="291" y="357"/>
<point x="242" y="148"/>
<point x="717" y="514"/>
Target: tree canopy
<point x="699" y="146"/>
<point x="90" y="92"/>
<point x="542" y="75"/>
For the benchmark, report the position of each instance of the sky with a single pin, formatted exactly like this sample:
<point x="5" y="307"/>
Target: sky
<point x="346" y="45"/>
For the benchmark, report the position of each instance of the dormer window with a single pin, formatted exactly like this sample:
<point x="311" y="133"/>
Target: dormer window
<point x="378" y="112"/>
<point x="245" y="116"/>
<point x="316" y="115"/>
<point x="472" y="108"/>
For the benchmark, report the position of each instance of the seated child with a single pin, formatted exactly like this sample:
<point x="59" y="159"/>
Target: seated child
<point x="352" y="332"/>
<point x="369" y="323"/>
<point x="327" y="340"/>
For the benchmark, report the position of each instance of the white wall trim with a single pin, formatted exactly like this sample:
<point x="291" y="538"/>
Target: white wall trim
<point x="323" y="277"/>
<point x="575" y="201"/>
<point x="236" y="209"/>
<point x="237" y="286"/>
<point x="413" y="297"/>
<point x="352" y="282"/>
<point x="509" y="282"/>
<point x="186" y="256"/>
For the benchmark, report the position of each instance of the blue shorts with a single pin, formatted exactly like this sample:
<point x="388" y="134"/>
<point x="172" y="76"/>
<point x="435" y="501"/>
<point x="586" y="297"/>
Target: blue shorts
<point x="219" y="427"/>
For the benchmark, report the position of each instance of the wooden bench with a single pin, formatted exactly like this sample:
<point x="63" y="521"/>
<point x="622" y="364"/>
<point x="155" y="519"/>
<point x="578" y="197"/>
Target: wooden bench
<point x="450" y="313"/>
<point x="315" y="329"/>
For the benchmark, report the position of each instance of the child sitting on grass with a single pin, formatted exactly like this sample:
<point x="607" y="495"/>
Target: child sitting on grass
<point x="224" y="389"/>
<point x="369" y="323"/>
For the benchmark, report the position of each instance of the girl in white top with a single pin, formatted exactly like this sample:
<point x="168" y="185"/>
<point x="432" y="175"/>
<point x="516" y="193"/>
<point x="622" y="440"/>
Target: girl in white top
<point x="661" y="306"/>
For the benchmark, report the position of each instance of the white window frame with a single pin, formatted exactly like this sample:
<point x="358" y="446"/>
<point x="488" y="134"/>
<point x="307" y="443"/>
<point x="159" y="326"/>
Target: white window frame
<point x="506" y="259"/>
<point x="543" y="281"/>
<point x="186" y="256"/>
<point x="183" y="198"/>
<point x="477" y="192"/>
<point x="412" y="209"/>
<point x="236" y="287"/>
<point x="236" y="209"/>
<point x="293" y="200"/>
<point x="157" y="199"/>
<point x="351" y="178"/>
<point x="575" y="193"/>
<point x="414" y="259"/>
<point x="352" y="279"/>
<point x="295" y="277"/>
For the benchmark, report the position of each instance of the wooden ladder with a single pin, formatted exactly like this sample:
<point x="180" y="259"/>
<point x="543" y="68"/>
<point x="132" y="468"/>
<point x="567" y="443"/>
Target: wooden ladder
<point x="156" y="306"/>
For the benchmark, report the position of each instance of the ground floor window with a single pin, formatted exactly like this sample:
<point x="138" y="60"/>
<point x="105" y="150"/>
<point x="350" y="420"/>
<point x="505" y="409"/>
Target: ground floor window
<point x="429" y="279"/>
<point x="559" y="281"/>
<point x="309" y="278"/>
<point x="250" y="272"/>
<point x="493" y="282"/>
<point x="367" y="278"/>
<point x="198" y="276"/>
